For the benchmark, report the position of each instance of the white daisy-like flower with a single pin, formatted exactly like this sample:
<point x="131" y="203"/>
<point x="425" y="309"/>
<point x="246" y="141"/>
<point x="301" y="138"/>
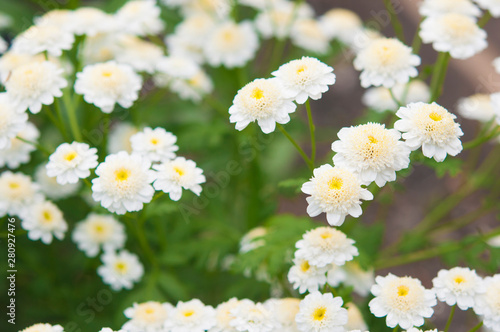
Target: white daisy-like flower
<point x="191" y="316"/>
<point x="253" y="317"/>
<point x="476" y="107"/>
<point x="174" y="66"/>
<point x="231" y="44"/>
<point x="276" y="20"/>
<point x="306" y="277"/>
<point x="102" y="47"/>
<point x="372" y="152"/>
<point x="308" y="34"/>
<point x="455" y="33"/>
<point x="403" y="300"/>
<point x="11" y="121"/>
<point x="123" y="183"/>
<point x="341" y="23"/>
<point x="355" y="319"/>
<point x="217" y="8"/>
<point x="91" y="21"/>
<point x="17" y="193"/>
<point x="96" y="231"/>
<point x="11" y="60"/>
<point x="305" y="78"/>
<point x="61" y="18"/>
<point x="380" y="99"/>
<point x="362" y="38"/>
<point x="34" y="84"/>
<point x="261" y="100"/>
<point x="440" y="7"/>
<point x="147" y="316"/>
<point x="154" y="144"/>
<point x="194" y="88"/>
<point x="431" y="127"/>
<point x="459" y="286"/>
<point x="493" y="6"/>
<point x="140" y="18"/>
<point x="71" y="162"/>
<point x="141" y="55"/>
<point x="44" y="38"/>
<point x="177" y="174"/>
<point x="49" y="186"/>
<point x="43" y="221"/>
<point x="5" y="20"/>
<point x="224" y="316"/>
<point x="251" y="241"/>
<point x="386" y="61"/>
<point x="107" y="84"/>
<point x="119" y="137"/>
<point x="120" y="269"/>
<point x="325" y="245"/>
<point x="43" y="327"/>
<point x="353" y="275"/>
<point x="19" y="152"/>
<point x="285" y="310"/>
<point x="321" y="313"/>
<point x="488" y="304"/>
<point x="259" y="4"/>
<point x="335" y="191"/>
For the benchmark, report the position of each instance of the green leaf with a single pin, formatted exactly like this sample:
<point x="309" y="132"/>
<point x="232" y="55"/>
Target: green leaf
<point x="291" y="187"/>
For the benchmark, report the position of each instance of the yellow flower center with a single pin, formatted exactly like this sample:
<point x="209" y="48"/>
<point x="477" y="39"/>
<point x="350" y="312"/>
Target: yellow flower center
<point x="14" y="185"/>
<point x="122" y="174"/>
<point x="228" y="36"/>
<point x="70" y="156"/>
<point x="107" y="73"/>
<point x="436" y="117"/>
<point x="319" y="313"/>
<point x="326" y="235"/>
<point x="305" y="266"/>
<point x="179" y="171"/>
<point x="188" y="313"/>
<point x="301" y="69"/>
<point x="121" y="267"/>
<point x="459" y="280"/>
<point x="47" y="216"/>
<point x="403" y="290"/>
<point x="154" y="141"/>
<point x="257" y="93"/>
<point x="99" y="229"/>
<point x="335" y="183"/>
<point x="372" y="139"/>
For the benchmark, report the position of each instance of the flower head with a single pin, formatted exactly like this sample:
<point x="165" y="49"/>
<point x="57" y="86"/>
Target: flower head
<point x="476" y="107"/>
<point x="192" y="316"/>
<point x="50" y="187"/>
<point x="253" y="317"/>
<point x="177" y="174"/>
<point x="71" y="162"/>
<point x="19" y="151"/>
<point x="43" y="221"/>
<point x="147" y="316"/>
<point x="305" y="276"/>
<point x="488" y="304"/>
<point x="44" y="38"/>
<point x="17" y="193"/>
<point x="321" y="313"/>
<point x="120" y="269"/>
<point x="459" y="286"/>
<point x="139" y="18"/>
<point x="11" y="121"/>
<point x="341" y="23"/>
<point x="154" y="144"/>
<point x="41" y="327"/>
<point x="308" y="34"/>
<point x="440" y="7"/>
<point x="285" y="310"/>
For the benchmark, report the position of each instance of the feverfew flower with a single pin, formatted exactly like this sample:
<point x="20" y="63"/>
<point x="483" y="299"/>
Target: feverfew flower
<point x="308" y="34"/>
<point x="11" y="60"/>
<point x="476" y="107"/>
<point x="41" y="327"/>
<point x="105" y="84"/>
<point x="321" y="313"/>
<point x="174" y="66"/>
<point x="11" y="121"/>
<point x="261" y="100"/>
<point x="139" y="17"/>
<point x="335" y="191"/>
<point x="224" y="316"/>
<point x="253" y="317"/>
<point x="194" y="88"/>
<point x="96" y="231"/>
<point x="488" y="304"/>
<point x="71" y="162"/>
<point x="123" y="183"/>
<point x="284" y="312"/>
<point x="403" y="300"/>
<point x="17" y="193"/>
<point x="34" y="84"/>
<point x="459" y="286"/>
<point x="91" y="21"/>
<point x="147" y="316"/>
<point x="119" y="137"/>
<point x="431" y="127"/>
<point x="154" y="144"/>
<point x="191" y="316"/>
<point x="305" y="78"/>
<point x="455" y="33"/>
<point x="120" y="270"/>
<point x="362" y="280"/>
<point x="372" y="152"/>
<point x="341" y="23"/>
<point x="380" y="99"/>
<point x="440" y="7"/>
<point x="306" y="277"/>
<point x="49" y="186"/>
<point x="177" y="174"/>
<point x="139" y="54"/>
<point x="277" y="20"/>
<point x="493" y="6"/>
<point x="19" y="152"/>
<point x="355" y="319"/>
<point x="43" y="38"/>
<point x="43" y="221"/>
<point x="251" y="241"/>
<point x="325" y="245"/>
<point x="417" y="330"/>
<point x="386" y="61"/>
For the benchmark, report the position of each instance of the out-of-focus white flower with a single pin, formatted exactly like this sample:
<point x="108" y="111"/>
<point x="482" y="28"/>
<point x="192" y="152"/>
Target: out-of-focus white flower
<point x="440" y="7"/>
<point x="11" y="60"/>
<point x="139" y="54"/>
<point x="91" y="21"/>
<point x="476" y="107"/>
<point x="191" y="316"/>
<point x="44" y="38"/>
<point x="17" y="193"/>
<point x="11" y="121"/>
<point x="308" y="34"/>
<point x="5" y="20"/>
<point x="341" y="23"/>
<point x="71" y="162"/>
<point x="101" y="47"/>
<point x="321" y="313"/>
<point x="59" y="18"/>
<point x="488" y="304"/>
<point x="277" y="19"/>
<point x="43" y="221"/>
<point x="362" y="38"/>
<point x="306" y="277"/>
<point x="51" y="188"/>
<point x="253" y="317"/>
<point x="250" y="240"/>
<point x="120" y="269"/>
<point x="19" y="152"/>
<point x="285" y="310"/>
<point x="175" y="66"/>
<point x="493" y="6"/>
<point x="219" y="9"/>
<point x="355" y="319"/>
<point x="224" y="316"/>
<point x="119" y="137"/>
<point x="380" y="99"/>
<point x="41" y="327"/>
<point x="147" y="316"/>
<point x="194" y="88"/>
<point x="154" y="144"/>
<point x="139" y="17"/>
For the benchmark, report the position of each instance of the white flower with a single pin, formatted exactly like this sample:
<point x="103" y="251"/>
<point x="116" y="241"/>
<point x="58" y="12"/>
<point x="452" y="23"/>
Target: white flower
<point x="103" y="47"/>
<point x="147" y="316"/>
<point x="496" y="64"/>
<point x="276" y="20"/>
<point x="139" y="17"/>
<point x="488" y="304"/>
<point x="5" y="20"/>
<point x="439" y="7"/>
<point x="325" y="245"/>
<point x="19" y="152"/>
<point x="455" y="33"/>
<point x="154" y="144"/>
<point x="139" y="54"/>
<point x="17" y="193"/>
<point x="261" y="100"/>
<point x="341" y="23"/>
<point x="105" y="84"/>
<point x="191" y="316"/>
<point x="362" y="280"/>
<point x="476" y="107"/>
<point x="308" y="34"/>
<point x="432" y="127"/>
<point x="321" y="313"/>
<point x="305" y="78"/>
<point x="306" y="277"/>
<point x="285" y="310"/>
<point x="177" y="174"/>
<point x="493" y="6"/>
<point x="43" y="221"/>
<point x="175" y="66"/>
<point x="253" y="317"/>
<point x="380" y="99"/>
<point x="90" y="21"/>
<point x="224" y="316"/>
<point x="96" y="231"/>
<point x="335" y="191"/>
<point x="194" y="88"/>
<point x="231" y="44"/>
<point x="403" y="300"/>
<point x="417" y="330"/>
<point x="120" y="270"/>
<point x="251" y="241"/>
<point x="217" y="8"/>
<point x="11" y="60"/>
<point x="386" y="61"/>
<point x="372" y="152"/>
<point x="362" y="38"/>
<point x="355" y="319"/>
<point x="34" y="84"/>
<point x="60" y="18"/>
<point x="123" y="183"/>
<point x="71" y="162"/>
<point x="51" y="188"/>
<point x="119" y="137"/>
<point x="459" y="286"/>
<point x="260" y="4"/>
<point x="41" y="327"/>
<point x="11" y="121"/>
<point x="43" y="38"/>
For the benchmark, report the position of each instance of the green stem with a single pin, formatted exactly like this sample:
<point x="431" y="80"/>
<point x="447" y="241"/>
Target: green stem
<point x="495" y="132"/>
<point x="450" y="318"/>
<point x="396" y="23"/>
<point x="312" y="129"/>
<point x="73" y="121"/>
<point x="59" y="124"/>
<point x="485" y="19"/>
<point x="278" y="49"/>
<point x="297" y="146"/>
<point x="396" y="100"/>
<point x="439" y="74"/>
<point x="38" y="146"/>
<point x="477" y="327"/>
<point x="417" y="41"/>
<point x="141" y="236"/>
<point x="396" y="328"/>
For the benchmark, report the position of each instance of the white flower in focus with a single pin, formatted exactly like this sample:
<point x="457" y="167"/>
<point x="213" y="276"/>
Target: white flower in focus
<point x="19" y="152"/>
<point x="147" y="316"/>
<point x="43" y="221"/>
<point x="488" y="304"/>
<point x="41" y="327"/>
<point x="306" y="277"/>
<point x="91" y="21"/>
<point x="458" y="286"/>
<point x="123" y="183"/>
<point x="96" y="231"/>
<point x="321" y="313"/>
<point x="403" y="300"/>
<point x="139" y="54"/>
<point x="476" y="107"/>
<point x="43" y="38"/>
<point x="431" y="127"/>
<point x="17" y="193"/>
<point x="335" y="191"/>
<point x="380" y="99"/>
<point x="308" y="34"/>
<point x="285" y="310"/>
<point x="224" y="316"/>
<point x="493" y="6"/>
<point x="139" y="17"/>
<point x="119" y="137"/>
<point x="71" y="162"/>
<point x="34" y="84"/>
<point x="177" y="174"/>
<point x="386" y="61"/>
<point x="11" y="121"/>
<point x="355" y="319"/>
<point x="251" y="241"/>
<point x="261" y="100"/>
<point x="454" y="33"/>
<point x="440" y="7"/>
<point x="191" y="316"/>
<point x="253" y="317"/>
<point x="341" y="23"/>
<point x="325" y="245"/>
<point x="372" y="152"/>
<point x="154" y="144"/>
<point x="105" y="84"/>
<point x="304" y="78"/>
<point x="120" y="269"/>
<point x="51" y="188"/>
